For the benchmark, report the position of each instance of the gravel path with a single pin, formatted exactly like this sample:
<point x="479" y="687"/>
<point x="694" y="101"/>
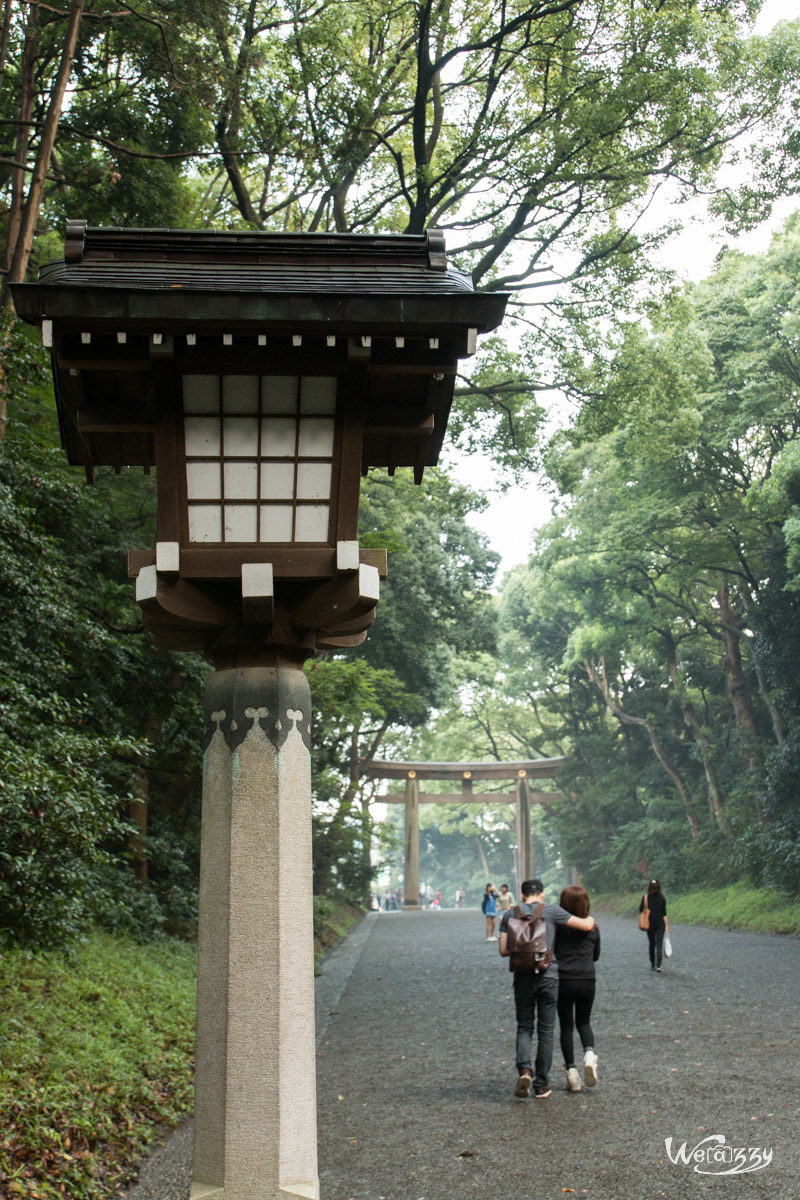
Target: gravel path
<point x="415" y="1076"/>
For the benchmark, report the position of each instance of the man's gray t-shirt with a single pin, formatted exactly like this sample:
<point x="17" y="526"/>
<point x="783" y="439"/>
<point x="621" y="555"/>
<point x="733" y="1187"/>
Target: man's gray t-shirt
<point x="553" y="915"/>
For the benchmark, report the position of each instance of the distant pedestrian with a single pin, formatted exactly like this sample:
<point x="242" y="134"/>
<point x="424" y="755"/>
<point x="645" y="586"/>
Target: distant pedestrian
<point x="536" y="995"/>
<point x="461" y="896"/>
<point x="505" y="899"/>
<point x="656" y="905"/>
<point x="576" y="953"/>
<point x="489" y="910"/>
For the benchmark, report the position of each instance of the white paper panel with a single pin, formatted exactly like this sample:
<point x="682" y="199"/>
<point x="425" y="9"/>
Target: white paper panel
<point x="278" y="436"/>
<point x="318" y="395"/>
<point x="277" y="481"/>
<point x="240" y="393"/>
<point x="276" y="522"/>
<point x="316" y="437"/>
<point x="240" y="523"/>
<point x="313" y="481"/>
<point x="279" y="393"/>
<point x="203" y="480"/>
<point x="241" y="481"/>
<point x="311" y="523"/>
<point x="202" y="436"/>
<point x="240" y="437"/>
<point x="205" y="523"/>
<point x="200" y="393"/>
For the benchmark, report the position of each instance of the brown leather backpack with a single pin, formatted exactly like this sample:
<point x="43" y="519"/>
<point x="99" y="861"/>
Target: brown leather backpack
<point x="526" y="941"/>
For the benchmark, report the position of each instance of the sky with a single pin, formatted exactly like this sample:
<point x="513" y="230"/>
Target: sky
<point x="510" y="519"/>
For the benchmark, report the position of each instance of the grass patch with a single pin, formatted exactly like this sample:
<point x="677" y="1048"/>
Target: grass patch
<point x="737" y="907"/>
<point x="96" y="1052"/>
<point x="97" y="1055"/>
<point x="333" y="920"/>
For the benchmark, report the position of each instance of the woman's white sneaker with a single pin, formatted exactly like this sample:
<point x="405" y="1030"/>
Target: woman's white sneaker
<point x="573" y="1080"/>
<point x="590" y="1068"/>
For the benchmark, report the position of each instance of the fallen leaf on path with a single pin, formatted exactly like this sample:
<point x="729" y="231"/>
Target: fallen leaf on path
<point x="468" y="1154"/>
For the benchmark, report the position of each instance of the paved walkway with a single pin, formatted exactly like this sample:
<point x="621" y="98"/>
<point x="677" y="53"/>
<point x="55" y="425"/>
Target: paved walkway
<point x="416" y="1070"/>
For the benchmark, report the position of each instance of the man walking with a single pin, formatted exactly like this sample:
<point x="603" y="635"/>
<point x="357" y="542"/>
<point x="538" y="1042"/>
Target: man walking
<point x="536" y="995"/>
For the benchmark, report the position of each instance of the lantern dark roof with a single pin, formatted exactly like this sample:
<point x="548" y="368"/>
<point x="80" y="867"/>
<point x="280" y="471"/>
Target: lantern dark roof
<point x="195" y="276"/>
<point x="124" y="301"/>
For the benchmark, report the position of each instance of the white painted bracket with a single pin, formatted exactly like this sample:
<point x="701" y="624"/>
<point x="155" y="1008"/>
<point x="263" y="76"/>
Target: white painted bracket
<point x="258" y="593"/>
<point x="369" y="582"/>
<point x="146" y="584"/>
<point x="47" y="334"/>
<point x="347" y="557"/>
<point x="168" y="557"/>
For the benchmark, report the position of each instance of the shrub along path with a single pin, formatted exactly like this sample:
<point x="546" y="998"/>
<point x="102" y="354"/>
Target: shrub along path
<point x="416" y="1069"/>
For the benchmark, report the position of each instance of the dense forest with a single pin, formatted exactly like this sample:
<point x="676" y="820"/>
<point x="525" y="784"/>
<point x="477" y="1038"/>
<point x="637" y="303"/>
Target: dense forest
<point x="652" y="637"/>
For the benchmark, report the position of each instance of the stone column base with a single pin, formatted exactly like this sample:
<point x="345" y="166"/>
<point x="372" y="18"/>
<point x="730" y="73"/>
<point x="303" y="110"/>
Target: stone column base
<point x="255" y="1135"/>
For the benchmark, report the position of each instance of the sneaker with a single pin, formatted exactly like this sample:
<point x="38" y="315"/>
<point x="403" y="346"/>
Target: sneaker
<point x="491" y="939"/>
<point x="542" y="1093"/>
<point x="658" y="968"/>
<point x="573" y="1080"/>
<point x="523" y="1088"/>
<point x="590" y="1068"/>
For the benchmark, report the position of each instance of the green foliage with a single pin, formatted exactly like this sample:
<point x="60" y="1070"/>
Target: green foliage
<point x="95" y="1054"/>
<point x="57" y="813"/>
<point x="435" y="604"/>
<point x="89" y="713"/>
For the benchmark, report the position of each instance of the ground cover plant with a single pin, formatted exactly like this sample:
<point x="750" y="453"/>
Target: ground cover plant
<point x="736" y="907"/>
<point x="96" y="1054"/>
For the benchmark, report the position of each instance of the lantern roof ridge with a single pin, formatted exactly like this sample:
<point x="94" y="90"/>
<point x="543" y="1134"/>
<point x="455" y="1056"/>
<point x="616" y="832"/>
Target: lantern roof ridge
<point x="85" y="243"/>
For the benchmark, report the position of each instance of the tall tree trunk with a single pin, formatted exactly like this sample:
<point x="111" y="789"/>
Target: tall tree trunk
<point x="482" y="854"/>
<point x="775" y="714"/>
<point x="597" y="674"/>
<point x="738" y="687"/>
<point x="137" y="812"/>
<point x="21" y="251"/>
<point x="716" y="803"/>
<point x="27" y="95"/>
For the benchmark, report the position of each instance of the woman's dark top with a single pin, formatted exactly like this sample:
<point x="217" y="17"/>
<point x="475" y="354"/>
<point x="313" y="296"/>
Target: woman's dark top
<point x="576" y="952"/>
<point x="658" y="910"/>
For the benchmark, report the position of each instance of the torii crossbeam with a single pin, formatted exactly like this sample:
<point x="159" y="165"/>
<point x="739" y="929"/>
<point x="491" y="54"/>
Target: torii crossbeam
<point x="521" y="772"/>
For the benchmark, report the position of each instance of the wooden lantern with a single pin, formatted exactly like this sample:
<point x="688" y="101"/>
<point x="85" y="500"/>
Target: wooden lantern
<point x="260" y="375"/>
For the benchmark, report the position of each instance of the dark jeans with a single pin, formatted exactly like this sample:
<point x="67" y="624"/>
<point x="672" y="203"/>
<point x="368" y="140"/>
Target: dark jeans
<point x="655" y="938"/>
<point x="535" y="997"/>
<point x="575" y="999"/>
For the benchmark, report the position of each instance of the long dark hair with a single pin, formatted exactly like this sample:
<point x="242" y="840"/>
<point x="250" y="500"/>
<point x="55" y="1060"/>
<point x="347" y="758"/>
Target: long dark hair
<point x="575" y="900"/>
<point x="654" y="888"/>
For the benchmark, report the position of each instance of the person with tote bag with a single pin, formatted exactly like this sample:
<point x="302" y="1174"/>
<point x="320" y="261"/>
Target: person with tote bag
<point x="654" y="922"/>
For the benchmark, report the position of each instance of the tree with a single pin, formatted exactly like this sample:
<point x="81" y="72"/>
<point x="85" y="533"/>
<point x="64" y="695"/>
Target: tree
<point x="537" y="134"/>
<point x="661" y="579"/>
<point x="434" y="607"/>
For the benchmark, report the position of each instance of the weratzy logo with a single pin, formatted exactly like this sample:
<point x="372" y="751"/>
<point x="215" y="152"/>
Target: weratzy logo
<point x="712" y="1156"/>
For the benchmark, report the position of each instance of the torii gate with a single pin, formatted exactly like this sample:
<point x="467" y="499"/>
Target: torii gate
<point x="521" y="772"/>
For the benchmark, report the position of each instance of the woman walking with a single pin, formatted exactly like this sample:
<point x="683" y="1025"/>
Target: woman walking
<point x="576" y="954"/>
<point x="489" y="908"/>
<point x="657" y="926"/>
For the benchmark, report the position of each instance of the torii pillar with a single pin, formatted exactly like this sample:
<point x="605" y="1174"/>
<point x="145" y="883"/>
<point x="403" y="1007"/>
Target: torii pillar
<point x="411" y="872"/>
<point x="524" y="836"/>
